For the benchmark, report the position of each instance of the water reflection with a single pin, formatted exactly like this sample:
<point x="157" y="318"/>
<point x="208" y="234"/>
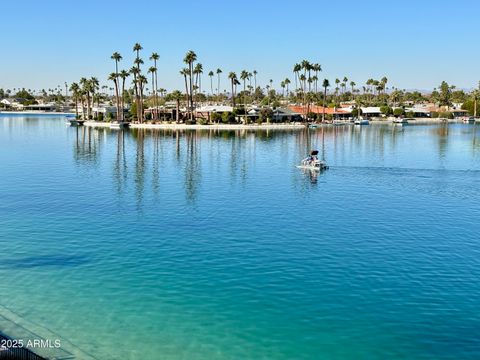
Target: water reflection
<point x="147" y="160"/>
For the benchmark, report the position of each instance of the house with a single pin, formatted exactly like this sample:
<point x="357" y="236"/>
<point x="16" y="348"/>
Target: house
<point x="15" y="103"/>
<point x="371" y="111"/>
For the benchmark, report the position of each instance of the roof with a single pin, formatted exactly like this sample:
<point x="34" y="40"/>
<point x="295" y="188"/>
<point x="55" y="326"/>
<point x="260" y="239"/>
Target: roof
<point x="371" y="110"/>
<point x="318" y="110"/>
<point x="215" y="108"/>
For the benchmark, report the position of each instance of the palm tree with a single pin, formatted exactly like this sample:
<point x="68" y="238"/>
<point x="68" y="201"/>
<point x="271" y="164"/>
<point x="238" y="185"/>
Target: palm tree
<point x="296" y="71"/>
<point x="352" y="84"/>
<point x="152" y="70"/>
<point x="185" y="72"/>
<point x="189" y="59"/>
<point x="116" y="57"/>
<point x="255" y="79"/>
<point x="155" y="57"/>
<point x="233" y="79"/>
<point x="123" y="74"/>
<point x="177" y="96"/>
<point x="211" y="74"/>
<point x="136" y="48"/>
<point x="287" y="82"/>
<point x="282" y="85"/>
<point x="325" y="85"/>
<point x="198" y="71"/>
<point x="75" y="90"/>
<point x="219" y="71"/>
<point x="114" y="77"/>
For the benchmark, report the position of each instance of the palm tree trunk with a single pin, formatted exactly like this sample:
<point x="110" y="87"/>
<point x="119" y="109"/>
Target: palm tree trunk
<point x="324" y="103"/>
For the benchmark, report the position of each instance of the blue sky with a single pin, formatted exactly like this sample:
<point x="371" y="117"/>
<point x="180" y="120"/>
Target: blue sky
<point x="416" y="44"/>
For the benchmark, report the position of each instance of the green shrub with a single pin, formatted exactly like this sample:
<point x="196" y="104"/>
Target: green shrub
<point x="100" y="117"/>
<point x="410" y="114"/>
<point x="215" y="117"/>
<point x="228" y="117"/>
<point x="434" y="114"/>
<point x="386" y="110"/>
<point x="398" y="112"/>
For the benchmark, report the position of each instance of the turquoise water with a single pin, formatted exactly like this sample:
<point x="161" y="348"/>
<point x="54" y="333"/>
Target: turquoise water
<point x="213" y="245"/>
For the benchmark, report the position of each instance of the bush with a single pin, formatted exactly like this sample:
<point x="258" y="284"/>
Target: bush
<point x="215" y="117"/>
<point x="410" y="114"/>
<point x="228" y="117"/>
<point x="100" y="117"/>
<point x="386" y="110"/>
<point x="356" y="112"/>
<point x="398" y="112"/>
<point x="434" y="114"/>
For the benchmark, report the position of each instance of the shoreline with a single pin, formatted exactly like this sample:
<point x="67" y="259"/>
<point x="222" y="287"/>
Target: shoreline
<point x="203" y="127"/>
<point x="294" y="126"/>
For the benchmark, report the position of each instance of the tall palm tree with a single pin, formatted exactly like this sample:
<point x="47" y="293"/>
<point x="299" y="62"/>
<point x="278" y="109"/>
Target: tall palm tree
<point x="136" y="48"/>
<point x="155" y="57"/>
<point x="189" y="59"/>
<point x="184" y="72"/>
<point x="123" y="74"/>
<point x="325" y="85"/>
<point x="114" y="77"/>
<point x="136" y="72"/>
<point x="198" y="71"/>
<point x="244" y="77"/>
<point x="352" y="84"/>
<point x="255" y="79"/>
<point x="211" y="75"/>
<point x="233" y="79"/>
<point x="75" y="90"/>
<point x="177" y="96"/>
<point x="152" y="70"/>
<point x="287" y="82"/>
<point x="117" y="58"/>
<point x="219" y="71"/>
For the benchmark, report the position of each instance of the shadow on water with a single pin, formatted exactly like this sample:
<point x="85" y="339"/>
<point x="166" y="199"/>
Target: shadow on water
<point x="64" y="261"/>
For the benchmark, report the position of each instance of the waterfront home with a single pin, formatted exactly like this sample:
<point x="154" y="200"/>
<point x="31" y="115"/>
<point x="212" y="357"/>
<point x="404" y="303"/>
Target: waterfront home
<point x="336" y="113"/>
<point x="13" y="103"/>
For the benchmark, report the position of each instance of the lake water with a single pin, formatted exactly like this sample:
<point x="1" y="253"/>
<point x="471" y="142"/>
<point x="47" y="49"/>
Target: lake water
<point x="213" y="245"/>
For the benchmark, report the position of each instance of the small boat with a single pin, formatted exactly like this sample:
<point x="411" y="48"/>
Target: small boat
<point x="361" y="121"/>
<point x="75" y="122"/>
<point x="338" y="122"/>
<point x="312" y="162"/>
<point x="400" y="121"/>
<point x="312" y="126"/>
<point x="119" y="125"/>
<point x="469" y="120"/>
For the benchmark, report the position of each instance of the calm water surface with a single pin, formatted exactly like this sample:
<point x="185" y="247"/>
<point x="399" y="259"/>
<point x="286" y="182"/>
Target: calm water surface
<point x="212" y="245"/>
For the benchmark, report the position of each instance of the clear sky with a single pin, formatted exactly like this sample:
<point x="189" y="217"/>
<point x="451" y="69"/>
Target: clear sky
<point x="416" y="44"/>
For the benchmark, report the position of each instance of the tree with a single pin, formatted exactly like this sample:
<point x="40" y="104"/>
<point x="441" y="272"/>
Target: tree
<point x="211" y="75"/>
<point x="137" y="82"/>
<point x="116" y="57"/>
<point x="325" y="85"/>
<point x="155" y="57"/>
<point x="123" y="74"/>
<point x="189" y="59"/>
<point x="75" y="91"/>
<point x="152" y="70"/>
<point x="219" y="71"/>
<point x="233" y="79"/>
<point x="445" y="94"/>
<point x="177" y="96"/>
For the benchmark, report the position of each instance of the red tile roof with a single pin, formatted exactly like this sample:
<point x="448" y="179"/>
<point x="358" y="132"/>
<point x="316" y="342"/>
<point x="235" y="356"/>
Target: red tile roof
<point x="318" y="110"/>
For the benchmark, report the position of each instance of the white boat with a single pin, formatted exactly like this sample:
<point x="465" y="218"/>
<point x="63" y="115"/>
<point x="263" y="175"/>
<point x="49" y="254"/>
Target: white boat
<point x="338" y="122"/>
<point x="400" y="121"/>
<point x="361" y="121"/>
<point x="312" y="162"/>
<point x="119" y="125"/>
